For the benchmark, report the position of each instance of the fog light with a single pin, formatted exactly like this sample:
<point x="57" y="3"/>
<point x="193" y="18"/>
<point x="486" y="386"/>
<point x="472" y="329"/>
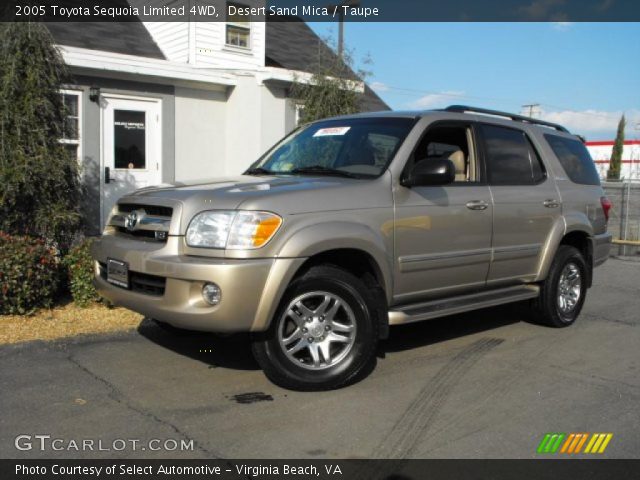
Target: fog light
<point x="211" y="293"/>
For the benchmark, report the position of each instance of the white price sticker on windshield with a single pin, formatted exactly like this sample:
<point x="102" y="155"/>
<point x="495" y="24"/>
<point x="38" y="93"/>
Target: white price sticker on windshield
<point x="326" y="132"/>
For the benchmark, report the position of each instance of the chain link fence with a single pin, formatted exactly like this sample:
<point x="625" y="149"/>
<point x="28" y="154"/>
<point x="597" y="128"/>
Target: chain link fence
<point x="624" y="218"/>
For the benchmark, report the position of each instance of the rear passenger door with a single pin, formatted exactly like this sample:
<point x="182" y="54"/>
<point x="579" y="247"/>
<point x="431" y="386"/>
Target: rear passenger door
<point x="526" y="203"/>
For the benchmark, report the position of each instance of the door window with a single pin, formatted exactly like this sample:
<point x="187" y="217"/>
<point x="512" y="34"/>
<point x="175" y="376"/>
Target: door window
<point x="511" y="158"/>
<point x="129" y="139"/>
<point x="451" y="142"/>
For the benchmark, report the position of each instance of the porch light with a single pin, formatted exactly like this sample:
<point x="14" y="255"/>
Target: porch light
<point x="94" y="94"/>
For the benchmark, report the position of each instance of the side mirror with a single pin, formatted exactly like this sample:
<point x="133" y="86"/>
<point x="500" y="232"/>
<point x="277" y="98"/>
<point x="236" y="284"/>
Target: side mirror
<point x="432" y="171"/>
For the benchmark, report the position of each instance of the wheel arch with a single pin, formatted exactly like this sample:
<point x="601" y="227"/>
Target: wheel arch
<point x="352" y="247"/>
<point x="578" y="235"/>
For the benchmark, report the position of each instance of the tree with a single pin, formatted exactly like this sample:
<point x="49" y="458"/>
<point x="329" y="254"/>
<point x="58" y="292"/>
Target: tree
<point x="39" y="179"/>
<point x="616" y="154"/>
<point x="332" y="88"/>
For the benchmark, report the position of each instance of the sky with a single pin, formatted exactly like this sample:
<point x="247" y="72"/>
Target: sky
<point x="583" y="75"/>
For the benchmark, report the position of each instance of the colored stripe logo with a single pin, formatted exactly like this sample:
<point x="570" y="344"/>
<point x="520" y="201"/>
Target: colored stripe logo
<point x="573" y="443"/>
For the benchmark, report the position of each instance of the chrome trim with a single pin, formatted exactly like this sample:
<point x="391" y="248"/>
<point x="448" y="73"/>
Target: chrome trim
<point x="147" y="222"/>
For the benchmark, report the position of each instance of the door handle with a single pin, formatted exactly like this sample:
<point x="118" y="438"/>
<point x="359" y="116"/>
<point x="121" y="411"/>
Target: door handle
<point x="551" y="203"/>
<point x="477" y="205"/>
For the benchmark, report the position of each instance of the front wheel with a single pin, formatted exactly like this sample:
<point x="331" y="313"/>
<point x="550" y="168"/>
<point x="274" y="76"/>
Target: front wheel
<point x="324" y="333"/>
<point x="563" y="292"/>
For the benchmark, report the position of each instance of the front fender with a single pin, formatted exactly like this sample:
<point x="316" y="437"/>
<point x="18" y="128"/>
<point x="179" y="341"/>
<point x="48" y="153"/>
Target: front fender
<point x="322" y="237"/>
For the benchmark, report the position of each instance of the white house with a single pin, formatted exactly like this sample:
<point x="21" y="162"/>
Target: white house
<point x="165" y="102"/>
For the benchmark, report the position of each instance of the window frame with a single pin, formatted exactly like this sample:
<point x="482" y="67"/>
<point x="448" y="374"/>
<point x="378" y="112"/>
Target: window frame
<point x="237" y="25"/>
<point x="485" y="155"/>
<point x="481" y="172"/>
<point x="70" y="141"/>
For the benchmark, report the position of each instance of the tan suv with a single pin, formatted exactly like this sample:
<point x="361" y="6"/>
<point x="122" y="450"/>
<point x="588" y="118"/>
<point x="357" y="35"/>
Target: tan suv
<point x="352" y="224"/>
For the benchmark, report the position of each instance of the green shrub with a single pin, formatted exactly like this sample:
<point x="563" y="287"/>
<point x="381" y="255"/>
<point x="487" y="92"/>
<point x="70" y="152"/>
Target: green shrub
<point x="80" y="269"/>
<point x="29" y="274"/>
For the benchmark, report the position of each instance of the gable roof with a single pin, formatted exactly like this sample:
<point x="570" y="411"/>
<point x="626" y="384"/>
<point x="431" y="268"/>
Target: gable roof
<point x="293" y="45"/>
<point x="132" y="38"/>
<point x="128" y="38"/>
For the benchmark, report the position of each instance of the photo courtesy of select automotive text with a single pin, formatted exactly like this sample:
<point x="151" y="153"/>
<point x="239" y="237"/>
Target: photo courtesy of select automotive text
<point x="319" y="239"/>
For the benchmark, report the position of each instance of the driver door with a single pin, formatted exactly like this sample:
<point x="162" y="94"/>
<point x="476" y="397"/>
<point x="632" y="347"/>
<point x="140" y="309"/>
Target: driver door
<point x="443" y="232"/>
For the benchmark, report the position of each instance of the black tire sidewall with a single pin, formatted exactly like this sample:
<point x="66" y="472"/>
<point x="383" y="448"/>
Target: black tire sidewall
<point x="554" y="316"/>
<point x="284" y="371"/>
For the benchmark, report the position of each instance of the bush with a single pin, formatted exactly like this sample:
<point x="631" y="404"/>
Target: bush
<point x="40" y="187"/>
<point x="80" y="269"/>
<point x="29" y="274"/>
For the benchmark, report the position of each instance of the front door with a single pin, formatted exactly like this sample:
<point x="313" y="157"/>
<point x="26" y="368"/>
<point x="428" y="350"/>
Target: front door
<point x="443" y="233"/>
<point x="131" y="147"/>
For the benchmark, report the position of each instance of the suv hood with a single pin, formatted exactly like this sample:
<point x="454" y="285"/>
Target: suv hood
<point x="280" y="194"/>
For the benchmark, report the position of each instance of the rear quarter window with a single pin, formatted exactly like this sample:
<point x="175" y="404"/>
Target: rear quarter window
<point x="575" y="159"/>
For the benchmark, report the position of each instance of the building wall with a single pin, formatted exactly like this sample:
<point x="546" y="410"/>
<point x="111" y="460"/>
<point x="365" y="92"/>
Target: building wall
<point x="172" y="38"/>
<point x="200" y="134"/>
<point x="91" y="137"/>
<point x="601" y="154"/>
<point x="204" y="43"/>
<point x="257" y="116"/>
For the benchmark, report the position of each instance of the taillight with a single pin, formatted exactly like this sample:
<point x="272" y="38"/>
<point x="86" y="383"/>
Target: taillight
<point x="606" y="206"/>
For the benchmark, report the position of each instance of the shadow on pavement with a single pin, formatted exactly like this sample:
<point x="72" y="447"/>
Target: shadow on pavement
<point x="429" y="332"/>
<point x="234" y="351"/>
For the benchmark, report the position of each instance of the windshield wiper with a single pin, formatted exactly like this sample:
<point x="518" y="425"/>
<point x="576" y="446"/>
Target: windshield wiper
<point x="321" y="170"/>
<point x="258" y="171"/>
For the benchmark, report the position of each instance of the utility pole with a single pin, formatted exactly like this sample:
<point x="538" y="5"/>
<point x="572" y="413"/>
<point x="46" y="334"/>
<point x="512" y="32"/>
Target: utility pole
<point x="346" y="3"/>
<point x="531" y="107"/>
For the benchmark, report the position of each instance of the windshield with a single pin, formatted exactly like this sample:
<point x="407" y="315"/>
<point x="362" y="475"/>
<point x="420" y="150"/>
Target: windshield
<point x="359" y="148"/>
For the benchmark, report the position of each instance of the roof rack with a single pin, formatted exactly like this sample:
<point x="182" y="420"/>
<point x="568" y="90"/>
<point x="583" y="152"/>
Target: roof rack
<point x="512" y="116"/>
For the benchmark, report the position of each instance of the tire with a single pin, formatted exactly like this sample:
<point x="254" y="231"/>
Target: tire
<point x="563" y="293"/>
<point x="343" y="336"/>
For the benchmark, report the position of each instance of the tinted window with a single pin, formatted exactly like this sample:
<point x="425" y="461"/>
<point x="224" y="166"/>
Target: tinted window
<point x="511" y="159"/>
<point x="575" y="159"/>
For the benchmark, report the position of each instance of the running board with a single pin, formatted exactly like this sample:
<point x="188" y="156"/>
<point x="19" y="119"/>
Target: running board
<point x="449" y="306"/>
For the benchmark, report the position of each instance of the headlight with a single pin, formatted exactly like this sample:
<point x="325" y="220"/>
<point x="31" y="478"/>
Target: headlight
<point x="232" y="229"/>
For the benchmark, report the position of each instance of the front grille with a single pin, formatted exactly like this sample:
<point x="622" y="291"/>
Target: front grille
<point x="150" y="234"/>
<point x="149" y="209"/>
<point x="142" y="222"/>
<point x="140" y="282"/>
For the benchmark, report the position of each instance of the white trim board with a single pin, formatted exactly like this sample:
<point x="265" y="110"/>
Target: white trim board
<point x="101" y="61"/>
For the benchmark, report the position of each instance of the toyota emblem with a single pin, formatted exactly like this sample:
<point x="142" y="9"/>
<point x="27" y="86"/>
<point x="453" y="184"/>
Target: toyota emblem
<point x="131" y="220"/>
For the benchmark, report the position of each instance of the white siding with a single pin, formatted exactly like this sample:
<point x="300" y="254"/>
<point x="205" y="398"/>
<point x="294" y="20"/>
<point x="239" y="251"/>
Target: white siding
<point x="204" y="44"/>
<point x="211" y="49"/>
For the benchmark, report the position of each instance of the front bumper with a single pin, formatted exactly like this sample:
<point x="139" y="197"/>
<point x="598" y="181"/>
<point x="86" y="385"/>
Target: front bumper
<point x="251" y="288"/>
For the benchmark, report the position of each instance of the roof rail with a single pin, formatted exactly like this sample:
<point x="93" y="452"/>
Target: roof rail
<point x="512" y="116"/>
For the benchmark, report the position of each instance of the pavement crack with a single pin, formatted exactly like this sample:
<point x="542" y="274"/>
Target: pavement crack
<point x="116" y="395"/>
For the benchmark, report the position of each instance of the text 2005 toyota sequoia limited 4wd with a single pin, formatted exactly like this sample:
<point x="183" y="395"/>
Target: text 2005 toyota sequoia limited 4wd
<point x="353" y="224"/>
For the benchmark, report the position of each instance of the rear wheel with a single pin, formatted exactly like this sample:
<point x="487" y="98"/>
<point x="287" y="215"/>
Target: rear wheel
<point x="324" y="333"/>
<point x="563" y="293"/>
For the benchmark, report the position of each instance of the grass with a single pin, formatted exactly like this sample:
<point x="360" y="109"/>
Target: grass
<point x="66" y="321"/>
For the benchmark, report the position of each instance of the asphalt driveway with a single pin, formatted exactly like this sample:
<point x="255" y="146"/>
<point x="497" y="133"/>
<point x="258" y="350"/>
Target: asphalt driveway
<point x="483" y="384"/>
